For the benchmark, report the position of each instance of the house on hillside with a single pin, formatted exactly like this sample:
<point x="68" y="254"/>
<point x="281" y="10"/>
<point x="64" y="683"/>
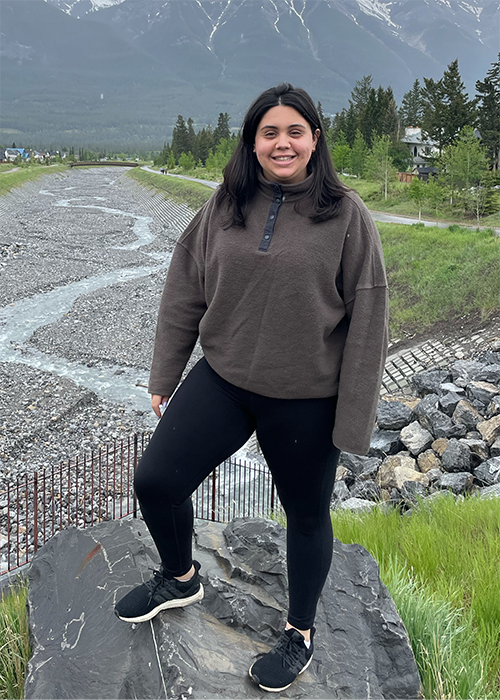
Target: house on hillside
<point x="422" y="150"/>
<point x="13" y="153"/>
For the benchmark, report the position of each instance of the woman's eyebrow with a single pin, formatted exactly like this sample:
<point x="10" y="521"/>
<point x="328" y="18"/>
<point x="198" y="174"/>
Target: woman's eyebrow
<point x="290" y="126"/>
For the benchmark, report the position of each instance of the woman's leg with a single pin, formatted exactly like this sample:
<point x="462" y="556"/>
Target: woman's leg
<point x="296" y="439"/>
<point x="204" y="423"/>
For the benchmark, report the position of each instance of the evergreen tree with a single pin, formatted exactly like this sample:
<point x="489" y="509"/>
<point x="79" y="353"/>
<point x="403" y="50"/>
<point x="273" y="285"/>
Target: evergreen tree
<point x="191" y="136"/>
<point x="359" y="153"/>
<point x="411" y="110"/>
<point x="361" y="93"/>
<point x="222" y="130"/>
<point x="447" y="108"/>
<point x="488" y="91"/>
<point x="326" y="122"/>
<point x="351" y="124"/>
<point x="390" y="118"/>
<point x="204" y="142"/>
<point x="368" y="118"/>
<point x="180" y="137"/>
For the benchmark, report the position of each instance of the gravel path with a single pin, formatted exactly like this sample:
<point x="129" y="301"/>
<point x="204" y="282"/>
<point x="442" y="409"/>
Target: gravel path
<point x="83" y="258"/>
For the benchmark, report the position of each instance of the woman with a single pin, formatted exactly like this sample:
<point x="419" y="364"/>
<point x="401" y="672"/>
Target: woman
<point x="281" y="275"/>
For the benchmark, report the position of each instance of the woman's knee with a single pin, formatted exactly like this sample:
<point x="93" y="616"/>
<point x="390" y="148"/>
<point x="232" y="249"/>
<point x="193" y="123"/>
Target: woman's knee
<point x="152" y="481"/>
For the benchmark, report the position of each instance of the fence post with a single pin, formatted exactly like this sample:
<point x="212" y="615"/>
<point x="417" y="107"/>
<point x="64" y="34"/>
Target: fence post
<point x="272" y="494"/>
<point x="35" y="516"/>
<point x="134" y="514"/>
<point x="214" y="478"/>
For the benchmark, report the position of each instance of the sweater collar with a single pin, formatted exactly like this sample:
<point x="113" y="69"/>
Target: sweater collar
<point x="292" y="193"/>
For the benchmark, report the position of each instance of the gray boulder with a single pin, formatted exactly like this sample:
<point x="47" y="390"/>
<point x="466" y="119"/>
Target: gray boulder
<point x="449" y="402"/>
<point x="441" y="425"/>
<point x="356" y="463"/>
<point x="415" y="438"/>
<point x="489" y="373"/>
<point x="393" y="415"/>
<point x="458" y="482"/>
<point x="466" y="370"/>
<point x="484" y="392"/>
<point x="494" y="407"/>
<point x="384" y="442"/>
<point x="495" y="448"/>
<point x="488" y="473"/>
<point x="429" y="382"/>
<point x="456" y="457"/>
<point x="81" y="650"/>
<point x="466" y="414"/>
<point x="340" y="492"/>
<point x="368" y="490"/>
<point x="489" y="491"/>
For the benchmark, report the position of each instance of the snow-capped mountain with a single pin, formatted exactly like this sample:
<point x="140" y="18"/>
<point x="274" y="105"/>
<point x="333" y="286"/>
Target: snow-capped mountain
<point x="153" y="59"/>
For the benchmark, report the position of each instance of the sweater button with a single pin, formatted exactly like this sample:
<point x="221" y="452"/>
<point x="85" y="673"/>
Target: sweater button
<point x="272" y="216"/>
<point x="267" y="236"/>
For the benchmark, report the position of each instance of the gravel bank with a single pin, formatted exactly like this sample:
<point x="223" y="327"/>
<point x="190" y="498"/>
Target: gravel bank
<point x="72" y="228"/>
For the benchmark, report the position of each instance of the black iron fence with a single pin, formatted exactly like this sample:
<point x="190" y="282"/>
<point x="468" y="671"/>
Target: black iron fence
<point x="89" y="489"/>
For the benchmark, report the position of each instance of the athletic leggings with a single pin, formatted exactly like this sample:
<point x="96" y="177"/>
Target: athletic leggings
<point x="205" y="422"/>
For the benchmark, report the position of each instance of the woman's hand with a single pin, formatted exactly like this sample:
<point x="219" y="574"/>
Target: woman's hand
<point x="157" y="402"/>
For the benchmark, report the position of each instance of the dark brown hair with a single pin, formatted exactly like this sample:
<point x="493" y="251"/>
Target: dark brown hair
<point x="240" y="174"/>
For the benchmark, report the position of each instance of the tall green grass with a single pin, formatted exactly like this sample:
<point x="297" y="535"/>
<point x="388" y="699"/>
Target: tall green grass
<point x="441" y="566"/>
<point x="14" y="641"/>
<point x="439" y="274"/>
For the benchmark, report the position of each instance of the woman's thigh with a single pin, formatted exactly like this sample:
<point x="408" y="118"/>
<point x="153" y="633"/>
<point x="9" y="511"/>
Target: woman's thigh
<point x="296" y="439"/>
<point x="205" y="422"/>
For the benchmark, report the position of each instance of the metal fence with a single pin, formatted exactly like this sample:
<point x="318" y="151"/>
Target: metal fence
<point x="90" y="489"/>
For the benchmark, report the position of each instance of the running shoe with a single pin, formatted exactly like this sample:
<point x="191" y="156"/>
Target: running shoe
<point x="276" y="670"/>
<point x="159" y="593"/>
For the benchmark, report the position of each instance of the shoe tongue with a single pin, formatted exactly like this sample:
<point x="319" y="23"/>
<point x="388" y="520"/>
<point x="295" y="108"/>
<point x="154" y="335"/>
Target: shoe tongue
<point x="295" y="635"/>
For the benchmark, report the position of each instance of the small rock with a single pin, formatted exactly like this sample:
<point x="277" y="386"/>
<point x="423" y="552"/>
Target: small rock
<point x="494" y="407"/>
<point x="430" y="402"/>
<point x="390" y="477"/>
<point x="495" y="448"/>
<point x="449" y="402"/>
<point x="340" y="491"/>
<point x="449" y="387"/>
<point x="367" y="490"/>
<point x="441" y="426"/>
<point x="489" y="491"/>
<point x="428" y="460"/>
<point x="477" y="447"/>
<point x="439" y="446"/>
<point x="458" y="482"/>
<point x="358" y="504"/>
<point x="411" y="491"/>
<point x="490" y="429"/>
<point x="416" y="438"/>
<point x="356" y="463"/>
<point x="489" y="373"/>
<point x="456" y="457"/>
<point x="434" y="475"/>
<point x="465" y="370"/>
<point x="484" y="392"/>
<point x="384" y="442"/>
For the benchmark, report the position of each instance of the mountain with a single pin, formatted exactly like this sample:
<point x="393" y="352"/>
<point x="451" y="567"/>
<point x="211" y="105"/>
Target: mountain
<point x="97" y="71"/>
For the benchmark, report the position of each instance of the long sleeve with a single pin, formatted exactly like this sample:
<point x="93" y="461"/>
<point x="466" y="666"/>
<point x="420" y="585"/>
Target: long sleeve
<point x="182" y="307"/>
<point x="365" y="350"/>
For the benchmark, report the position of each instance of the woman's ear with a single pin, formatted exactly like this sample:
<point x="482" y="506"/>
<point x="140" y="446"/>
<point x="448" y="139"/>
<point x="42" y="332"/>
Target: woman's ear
<point x="316" y="136"/>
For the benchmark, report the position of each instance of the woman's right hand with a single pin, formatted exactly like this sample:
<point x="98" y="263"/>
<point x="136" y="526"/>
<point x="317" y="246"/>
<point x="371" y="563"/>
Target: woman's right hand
<point x="156" y="403"/>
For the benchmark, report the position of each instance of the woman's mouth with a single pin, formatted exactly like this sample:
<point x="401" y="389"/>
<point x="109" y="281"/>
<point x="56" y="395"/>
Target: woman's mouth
<point x="283" y="159"/>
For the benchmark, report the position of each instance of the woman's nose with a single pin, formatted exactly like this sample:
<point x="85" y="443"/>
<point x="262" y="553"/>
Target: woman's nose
<point x="283" y="141"/>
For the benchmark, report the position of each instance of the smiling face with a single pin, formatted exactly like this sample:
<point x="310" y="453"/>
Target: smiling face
<point x="284" y="143"/>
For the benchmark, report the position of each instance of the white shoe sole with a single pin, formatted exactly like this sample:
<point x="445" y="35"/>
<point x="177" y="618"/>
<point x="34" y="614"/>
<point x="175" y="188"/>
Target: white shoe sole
<point x="277" y="690"/>
<point x="167" y="605"/>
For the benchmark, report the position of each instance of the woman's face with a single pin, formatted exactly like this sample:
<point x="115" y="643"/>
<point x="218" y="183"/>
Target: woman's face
<point x="283" y="145"/>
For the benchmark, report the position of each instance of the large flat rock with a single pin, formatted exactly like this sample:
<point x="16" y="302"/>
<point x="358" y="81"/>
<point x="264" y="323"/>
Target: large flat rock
<point x="81" y="650"/>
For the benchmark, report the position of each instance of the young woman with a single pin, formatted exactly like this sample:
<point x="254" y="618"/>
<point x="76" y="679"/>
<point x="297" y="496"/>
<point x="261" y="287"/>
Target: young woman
<point x="281" y="275"/>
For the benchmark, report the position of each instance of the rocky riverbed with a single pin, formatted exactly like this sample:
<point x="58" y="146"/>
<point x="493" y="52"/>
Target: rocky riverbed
<point x="83" y="258"/>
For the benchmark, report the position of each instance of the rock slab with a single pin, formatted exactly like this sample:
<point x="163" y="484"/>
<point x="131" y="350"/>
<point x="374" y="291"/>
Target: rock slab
<point x="81" y="650"/>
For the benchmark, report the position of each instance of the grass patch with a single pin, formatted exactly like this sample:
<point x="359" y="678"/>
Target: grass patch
<point x="25" y="174"/>
<point x="441" y="567"/>
<point x="14" y="641"/>
<point x="439" y="274"/>
<point x="194" y="194"/>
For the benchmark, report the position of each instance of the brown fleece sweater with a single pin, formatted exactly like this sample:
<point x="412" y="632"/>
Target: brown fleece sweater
<point x="283" y="307"/>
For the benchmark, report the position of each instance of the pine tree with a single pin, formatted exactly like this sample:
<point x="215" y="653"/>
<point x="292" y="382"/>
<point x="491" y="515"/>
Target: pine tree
<point x="191" y="136"/>
<point x="390" y="122"/>
<point x="180" y="138"/>
<point x="361" y="93"/>
<point x="411" y="110"/>
<point x="368" y="118"/>
<point x="432" y="111"/>
<point x="222" y="130"/>
<point x="326" y="122"/>
<point x="489" y="112"/>
<point x="351" y="124"/>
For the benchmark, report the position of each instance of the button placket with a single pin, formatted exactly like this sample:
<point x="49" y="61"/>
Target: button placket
<point x="271" y="218"/>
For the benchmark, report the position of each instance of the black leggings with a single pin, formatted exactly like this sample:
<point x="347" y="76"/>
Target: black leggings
<point x="206" y="421"/>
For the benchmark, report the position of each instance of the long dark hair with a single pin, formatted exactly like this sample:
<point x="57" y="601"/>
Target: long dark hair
<point x="240" y="174"/>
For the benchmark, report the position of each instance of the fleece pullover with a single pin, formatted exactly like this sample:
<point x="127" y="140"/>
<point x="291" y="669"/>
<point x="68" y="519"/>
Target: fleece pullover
<point x="284" y="307"/>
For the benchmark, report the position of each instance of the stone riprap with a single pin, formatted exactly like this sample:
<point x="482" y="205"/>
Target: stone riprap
<point x="81" y="650"/>
<point x="446" y="438"/>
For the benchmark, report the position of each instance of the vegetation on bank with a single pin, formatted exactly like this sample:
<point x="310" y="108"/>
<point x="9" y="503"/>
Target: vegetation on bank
<point x="194" y="194"/>
<point x="14" y="641"/>
<point x="9" y="180"/>
<point x="440" y="565"/>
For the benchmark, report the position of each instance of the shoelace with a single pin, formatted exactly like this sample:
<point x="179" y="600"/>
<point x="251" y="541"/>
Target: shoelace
<point x="288" y="649"/>
<point x="153" y="585"/>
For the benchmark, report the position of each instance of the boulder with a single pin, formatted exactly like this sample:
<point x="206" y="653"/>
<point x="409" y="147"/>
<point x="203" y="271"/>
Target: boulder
<point x="412" y="491"/>
<point x="479" y="449"/>
<point x="340" y="492"/>
<point x="359" y="504"/>
<point x="456" y="457"/>
<point x="449" y="387"/>
<point x="428" y="403"/>
<point x="465" y="370"/>
<point x="466" y="414"/>
<point x="434" y="475"/>
<point x="393" y="477"/>
<point x="490" y="429"/>
<point x="441" y="426"/>
<point x="458" y="482"/>
<point x="356" y="463"/>
<point x="429" y="382"/>
<point x="488" y="473"/>
<point x="494" y="407"/>
<point x="489" y="373"/>
<point x="484" y="392"/>
<point x="495" y="448"/>
<point x="449" y="402"/>
<point x="428" y="460"/>
<point x="384" y="442"/>
<point x="416" y="438"/>
<point x="489" y="491"/>
<point x="393" y="415"/>
<point x="368" y="490"/>
<point x="439" y="446"/>
<point x="81" y="650"/>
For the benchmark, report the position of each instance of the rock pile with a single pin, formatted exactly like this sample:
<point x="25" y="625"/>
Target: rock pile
<point x="445" y="438"/>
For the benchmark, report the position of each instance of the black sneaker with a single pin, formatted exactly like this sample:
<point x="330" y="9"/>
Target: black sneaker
<point x="277" y="669"/>
<point x="160" y="593"/>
